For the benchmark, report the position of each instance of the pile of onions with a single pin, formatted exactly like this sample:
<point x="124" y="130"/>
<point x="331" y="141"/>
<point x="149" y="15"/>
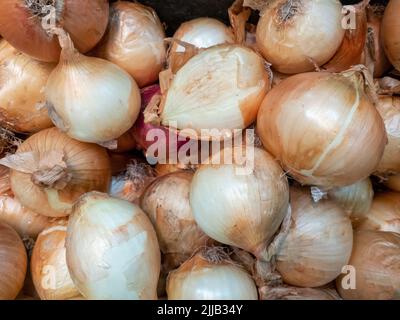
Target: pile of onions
<point x="389" y="109"/>
<point x="22" y="80"/>
<point x="134" y="41"/>
<point x="323" y="128"/>
<point x="166" y="202"/>
<point x="376" y="260"/>
<point x="227" y="79"/>
<point x="384" y="214"/>
<point x="49" y="266"/>
<point x="295" y="293"/>
<point x="50" y="171"/>
<point x="91" y="99"/>
<point x="393" y="182"/>
<point x="13" y="263"/>
<point x="355" y="199"/>
<point x="23" y="24"/>
<point x="112" y="249"/>
<point x="240" y="208"/>
<point x="318" y="244"/>
<point x="298" y="35"/>
<point x="210" y="275"/>
<point x="391" y="32"/>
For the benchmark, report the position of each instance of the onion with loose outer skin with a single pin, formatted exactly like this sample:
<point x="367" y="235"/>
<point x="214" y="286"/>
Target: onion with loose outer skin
<point x="22" y="80"/>
<point x="393" y="182"/>
<point x="391" y="32"/>
<point x="376" y="262"/>
<point x="13" y="263"/>
<point x="134" y="41"/>
<point x="104" y="102"/>
<point x="210" y="275"/>
<point x="50" y="171"/>
<point x="318" y="244"/>
<point x="297" y="35"/>
<point x="323" y="128"/>
<point x="112" y="249"/>
<point x="86" y="21"/>
<point x="384" y="214"/>
<point x="49" y="266"/>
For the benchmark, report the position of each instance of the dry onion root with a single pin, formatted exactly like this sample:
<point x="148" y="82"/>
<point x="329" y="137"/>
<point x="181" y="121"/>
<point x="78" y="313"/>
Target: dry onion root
<point x="13" y="263"/>
<point x="50" y="171"/>
<point x="391" y="33"/>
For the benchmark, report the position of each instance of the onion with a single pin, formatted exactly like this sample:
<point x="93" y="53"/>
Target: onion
<point x="376" y="262"/>
<point x="210" y="275"/>
<point x="135" y="41"/>
<point x="166" y="202"/>
<point x="164" y="169"/>
<point x="21" y="23"/>
<point x="323" y="128"/>
<point x="355" y="199"/>
<point x="104" y="103"/>
<point x="241" y="209"/>
<point x="50" y="171"/>
<point x="49" y="266"/>
<point x="22" y="80"/>
<point x="391" y="33"/>
<point x="318" y="243"/>
<point x="384" y="214"/>
<point x="225" y="79"/>
<point x="393" y="182"/>
<point x="112" y="249"/>
<point x="297" y="35"/>
<point x="13" y="263"/>
<point x="389" y="109"/>
<point x="5" y="184"/>
<point x="294" y="293"/>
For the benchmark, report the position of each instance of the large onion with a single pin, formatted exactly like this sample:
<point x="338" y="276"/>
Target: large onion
<point x="22" y="81"/>
<point x="391" y="32"/>
<point x="376" y="262"/>
<point x="13" y="263"/>
<point x="22" y="21"/>
<point x="135" y="41"/>
<point x="297" y="35"/>
<point x="112" y="249"/>
<point x="318" y="244"/>
<point x="323" y="128"/>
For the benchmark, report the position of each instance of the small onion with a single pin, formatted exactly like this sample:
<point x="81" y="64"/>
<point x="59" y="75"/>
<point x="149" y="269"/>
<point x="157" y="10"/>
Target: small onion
<point x="376" y="262"/>
<point x="49" y="266"/>
<point x="22" y="80"/>
<point x="297" y="35"/>
<point x="318" y="244"/>
<point x="50" y="171"/>
<point x="134" y="41"/>
<point x="104" y="102"/>
<point x="208" y="276"/>
<point x="13" y="263"/>
<point x="323" y="128"/>
<point x="21" y="23"/>
<point x="384" y="214"/>
<point x="393" y="182"/>
<point x="241" y="209"/>
<point x="112" y="249"/>
<point x="391" y="32"/>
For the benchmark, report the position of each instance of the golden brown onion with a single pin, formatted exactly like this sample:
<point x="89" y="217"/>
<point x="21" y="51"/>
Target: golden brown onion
<point x="391" y="32"/>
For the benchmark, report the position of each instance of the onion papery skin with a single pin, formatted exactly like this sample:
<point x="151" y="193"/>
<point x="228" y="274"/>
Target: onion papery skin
<point x="199" y="279"/>
<point x="356" y="199"/>
<point x="49" y="266"/>
<point x="112" y="250"/>
<point x="376" y="260"/>
<point x="135" y="41"/>
<point x="225" y="79"/>
<point x="87" y="164"/>
<point x="324" y="130"/>
<point x="389" y="109"/>
<point x="86" y="22"/>
<point x="318" y="244"/>
<point x="241" y="210"/>
<point x="391" y="32"/>
<point x="13" y="263"/>
<point x="22" y="80"/>
<point x="294" y="36"/>
<point x="384" y="214"/>
<point x="393" y="182"/>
